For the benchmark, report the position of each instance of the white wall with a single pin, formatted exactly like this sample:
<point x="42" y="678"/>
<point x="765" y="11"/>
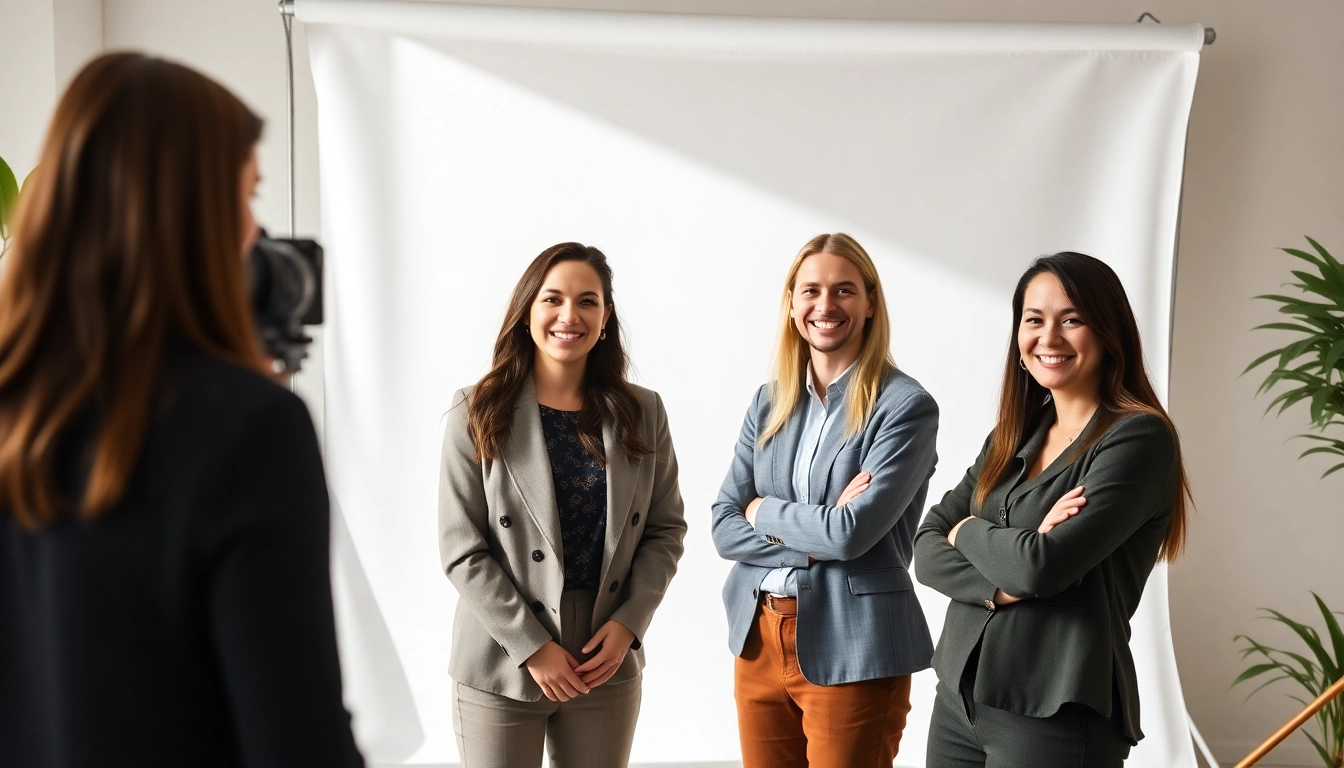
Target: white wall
<point x="1265" y="166"/>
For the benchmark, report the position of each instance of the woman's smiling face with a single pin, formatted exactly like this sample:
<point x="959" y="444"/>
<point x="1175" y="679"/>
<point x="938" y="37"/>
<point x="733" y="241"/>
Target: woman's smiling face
<point x="1057" y="347"/>
<point x="568" y="313"/>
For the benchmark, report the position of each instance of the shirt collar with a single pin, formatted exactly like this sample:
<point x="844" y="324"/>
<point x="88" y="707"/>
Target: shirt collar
<point x="835" y="388"/>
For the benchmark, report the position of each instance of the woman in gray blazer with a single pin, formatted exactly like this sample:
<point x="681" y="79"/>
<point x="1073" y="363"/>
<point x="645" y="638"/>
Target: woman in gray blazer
<point x="560" y="525"/>
<point x="1045" y="545"/>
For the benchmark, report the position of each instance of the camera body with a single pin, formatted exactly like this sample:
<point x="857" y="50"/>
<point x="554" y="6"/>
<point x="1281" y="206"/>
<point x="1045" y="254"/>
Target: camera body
<point x="285" y="278"/>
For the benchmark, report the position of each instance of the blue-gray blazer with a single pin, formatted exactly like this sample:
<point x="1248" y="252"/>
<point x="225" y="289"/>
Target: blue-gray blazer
<point x="858" y="618"/>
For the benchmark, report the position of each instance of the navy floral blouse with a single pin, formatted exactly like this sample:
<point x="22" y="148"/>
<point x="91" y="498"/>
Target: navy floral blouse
<point x="580" y="495"/>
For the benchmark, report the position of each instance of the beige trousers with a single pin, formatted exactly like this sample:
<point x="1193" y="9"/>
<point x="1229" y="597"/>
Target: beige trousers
<point x="593" y="731"/>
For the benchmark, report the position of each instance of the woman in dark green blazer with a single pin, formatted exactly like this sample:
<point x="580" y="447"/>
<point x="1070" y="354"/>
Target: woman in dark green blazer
<point x="1046" y="543"/>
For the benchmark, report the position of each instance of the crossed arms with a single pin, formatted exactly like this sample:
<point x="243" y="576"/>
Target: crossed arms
<point x="898" y="445"/>
<point x="1129" y="481"/>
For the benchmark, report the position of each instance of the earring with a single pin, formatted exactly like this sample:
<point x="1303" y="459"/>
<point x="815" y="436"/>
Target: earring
<point x="602" y="335"/>
<point x="1021" y="364"/>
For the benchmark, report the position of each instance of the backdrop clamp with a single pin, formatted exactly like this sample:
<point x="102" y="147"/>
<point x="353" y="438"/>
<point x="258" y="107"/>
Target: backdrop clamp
<point x="1209" y="34"/>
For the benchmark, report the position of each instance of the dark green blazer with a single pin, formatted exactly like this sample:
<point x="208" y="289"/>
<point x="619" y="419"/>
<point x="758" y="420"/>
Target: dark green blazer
<point x="1069" y="640"/>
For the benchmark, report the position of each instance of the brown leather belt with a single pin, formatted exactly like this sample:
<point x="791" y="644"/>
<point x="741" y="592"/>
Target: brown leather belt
<point x="787" y="606"/>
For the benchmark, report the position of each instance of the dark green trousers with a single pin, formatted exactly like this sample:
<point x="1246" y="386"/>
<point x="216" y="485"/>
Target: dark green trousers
<point x="964" y="734"/>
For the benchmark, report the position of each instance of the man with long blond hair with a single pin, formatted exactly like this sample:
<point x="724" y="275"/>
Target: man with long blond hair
<point x="819" y="512"/>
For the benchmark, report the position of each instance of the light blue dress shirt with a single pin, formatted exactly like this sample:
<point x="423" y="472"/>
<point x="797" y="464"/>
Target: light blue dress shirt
<point x="819" y="418"/>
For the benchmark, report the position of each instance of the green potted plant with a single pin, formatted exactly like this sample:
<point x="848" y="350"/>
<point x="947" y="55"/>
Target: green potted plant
<point x="1313" y="672"/>
<point x="1312" y="366"/>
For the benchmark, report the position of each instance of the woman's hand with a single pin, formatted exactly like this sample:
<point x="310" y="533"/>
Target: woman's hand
<point x="554" y="670"/>
<point x="615" y="640"/>
<point x="1067" y="506"/>
<point x="1002" y="598"/>
<point x="952" y="534"/>
<point x="856" y="486"/>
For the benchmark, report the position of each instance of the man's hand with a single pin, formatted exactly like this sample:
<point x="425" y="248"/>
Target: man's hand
<point x="750" y="511"/>
<point x="614" y="640"/>
<point x="554" y="670"/>
<point x="856" y="486"/>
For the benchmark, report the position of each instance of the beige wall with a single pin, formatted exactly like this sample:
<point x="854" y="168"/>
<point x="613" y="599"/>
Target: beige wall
<point x="42" y="43"/>
<point x="27" y="79"/>
<point x="1265" y="166"/>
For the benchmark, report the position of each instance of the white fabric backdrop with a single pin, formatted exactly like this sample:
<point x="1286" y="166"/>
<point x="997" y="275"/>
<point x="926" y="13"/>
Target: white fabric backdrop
<point x="700" y="153"/>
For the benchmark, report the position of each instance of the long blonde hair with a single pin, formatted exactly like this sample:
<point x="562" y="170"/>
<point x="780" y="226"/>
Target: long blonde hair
<point x="792" y="357"/>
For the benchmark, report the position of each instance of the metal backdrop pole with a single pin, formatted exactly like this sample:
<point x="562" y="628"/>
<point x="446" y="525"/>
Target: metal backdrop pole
<point x="287" y="18"/>
<point x="1209" y="34"/>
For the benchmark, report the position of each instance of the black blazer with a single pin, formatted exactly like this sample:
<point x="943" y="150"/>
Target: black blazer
<point x="1069" y="641"/>
<point x="191" y="624"/>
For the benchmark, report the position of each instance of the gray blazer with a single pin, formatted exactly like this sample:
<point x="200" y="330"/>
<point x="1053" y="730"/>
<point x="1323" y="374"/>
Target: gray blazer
<point x="858" y="618"/>
<point x="499" y="538"/>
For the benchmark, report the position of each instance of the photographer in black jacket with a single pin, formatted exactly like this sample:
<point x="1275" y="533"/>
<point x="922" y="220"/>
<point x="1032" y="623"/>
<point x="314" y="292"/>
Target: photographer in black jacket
<point x="165" y="597"/>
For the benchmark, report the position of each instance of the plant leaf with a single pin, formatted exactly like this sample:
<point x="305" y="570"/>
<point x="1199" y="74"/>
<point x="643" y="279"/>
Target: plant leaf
<point x="1333" y="629"/>
<point x="1320" y="263"/>
<point x="1332" y="359"/>
<point x="1313" y="641"/>
<point x="1318" y="405"/>
<point x="1326" y="255"/>
<point x="1262" y="358"/>
<point x="1256" y="671"/>
<point x="1319" y="748"/>
<point x="9" y="195"/>
<point x="1284" y="327"/>
<point x="1319" y="286"/>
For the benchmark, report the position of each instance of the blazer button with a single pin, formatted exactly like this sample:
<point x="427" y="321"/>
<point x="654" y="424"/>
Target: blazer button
<point x="989" y="606"/>
<point x="537" y="555"/>
<point x="613" y="586"/>
<point x="504" y="521"/>
<point x="636" y="520"/>
<point x="537" y="607"/>
<point x="1003" y="514"/>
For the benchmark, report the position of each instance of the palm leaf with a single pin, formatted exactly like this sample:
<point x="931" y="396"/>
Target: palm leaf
<point x="1320" y="748"/>
<point x="1332" y="628"/>
<point x="1312" y="639"/>
<point x="1310" y="367"/>
<point x="1338" y="268"/>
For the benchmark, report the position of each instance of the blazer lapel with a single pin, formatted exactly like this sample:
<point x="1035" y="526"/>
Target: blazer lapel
<point x="529" y="465"/>
<point x="622" y="476"/>
<point x="1033" y="447"/>
<point x="820" y="474"/>
<point x="621" y="479"/>
<point x="782" y="449"/>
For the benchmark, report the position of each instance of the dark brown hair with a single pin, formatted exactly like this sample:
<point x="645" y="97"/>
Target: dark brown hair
<point x="607" y="396"/>
<point x="129" y="235"/>
<point x="1097" y="294"/>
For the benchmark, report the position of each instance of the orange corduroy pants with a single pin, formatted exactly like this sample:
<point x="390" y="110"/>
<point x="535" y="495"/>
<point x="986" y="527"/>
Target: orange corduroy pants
<point x="784" y="721"/>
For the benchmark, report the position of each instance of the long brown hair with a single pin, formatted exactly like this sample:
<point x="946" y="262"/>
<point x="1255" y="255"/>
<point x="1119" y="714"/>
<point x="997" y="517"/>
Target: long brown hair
<point x="607" y="396"/>
<point x="1096" y="292"/>
<point x="129" y="235"/>
<point x="791" y="350"/>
